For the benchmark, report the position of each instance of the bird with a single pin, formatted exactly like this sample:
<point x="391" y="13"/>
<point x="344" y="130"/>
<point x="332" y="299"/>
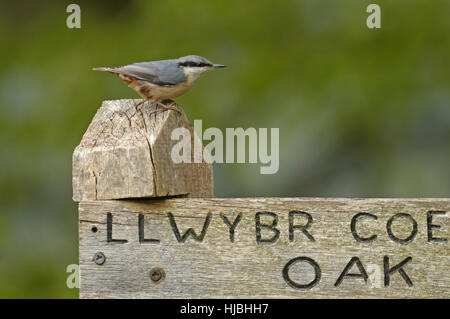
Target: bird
<point x="157" y="81"/>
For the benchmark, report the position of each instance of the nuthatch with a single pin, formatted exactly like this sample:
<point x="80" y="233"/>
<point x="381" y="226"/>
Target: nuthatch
<point x="161" y="80"/>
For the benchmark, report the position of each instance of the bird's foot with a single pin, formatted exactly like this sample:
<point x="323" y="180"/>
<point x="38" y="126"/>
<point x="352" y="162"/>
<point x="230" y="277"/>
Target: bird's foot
<point x="172" y="106"/>
<point x="139" y="104"/>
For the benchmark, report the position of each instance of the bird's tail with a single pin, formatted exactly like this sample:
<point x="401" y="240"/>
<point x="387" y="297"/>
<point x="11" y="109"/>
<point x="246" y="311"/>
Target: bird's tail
<point x="104" y="69"/>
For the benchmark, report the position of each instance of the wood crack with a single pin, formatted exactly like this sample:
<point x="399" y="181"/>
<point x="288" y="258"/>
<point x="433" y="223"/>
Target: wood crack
<point x="95" y="185"/>
<point x="155" y="177"/>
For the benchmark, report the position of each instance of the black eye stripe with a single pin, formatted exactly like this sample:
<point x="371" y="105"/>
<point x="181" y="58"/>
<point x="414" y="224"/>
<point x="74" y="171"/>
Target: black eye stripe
<point x="190" y="64"/>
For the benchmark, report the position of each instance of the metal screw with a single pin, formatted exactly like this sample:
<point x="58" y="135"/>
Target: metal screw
<point x="157" y="275"/>
<point x="99" y="258"/>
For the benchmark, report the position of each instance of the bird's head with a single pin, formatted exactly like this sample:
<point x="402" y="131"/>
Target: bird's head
<point x="195" y="65"/>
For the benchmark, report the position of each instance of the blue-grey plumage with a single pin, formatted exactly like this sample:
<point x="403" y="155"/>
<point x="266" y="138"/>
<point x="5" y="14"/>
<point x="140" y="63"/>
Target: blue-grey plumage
<point x="165" y="79"/>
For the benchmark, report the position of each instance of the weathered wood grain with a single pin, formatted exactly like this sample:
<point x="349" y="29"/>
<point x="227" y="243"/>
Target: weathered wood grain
<point x="126" y="153"/>
<point x="219" y="268"/>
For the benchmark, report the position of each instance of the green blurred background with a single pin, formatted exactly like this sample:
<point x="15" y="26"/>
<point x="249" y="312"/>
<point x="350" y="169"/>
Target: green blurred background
<point x="362" y="113"/>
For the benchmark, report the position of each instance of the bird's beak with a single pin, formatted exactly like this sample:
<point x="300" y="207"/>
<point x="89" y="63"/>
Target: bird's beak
<point x="218" y="66"/>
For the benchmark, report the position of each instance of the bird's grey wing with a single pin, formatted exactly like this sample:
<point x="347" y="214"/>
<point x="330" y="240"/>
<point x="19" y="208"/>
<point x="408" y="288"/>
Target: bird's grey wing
<point x="160" y="72"/>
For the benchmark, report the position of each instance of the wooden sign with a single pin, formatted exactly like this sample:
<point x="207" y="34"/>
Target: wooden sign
<point x="265" y="248"/>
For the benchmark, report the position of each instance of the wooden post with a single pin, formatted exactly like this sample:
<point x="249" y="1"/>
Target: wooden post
<point x="126" y="153"/>
<point x="237" y="247"/>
